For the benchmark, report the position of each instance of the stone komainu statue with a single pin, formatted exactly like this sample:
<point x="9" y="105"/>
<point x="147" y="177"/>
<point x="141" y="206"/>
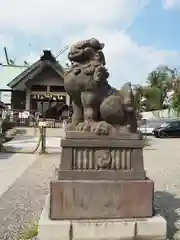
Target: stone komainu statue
<point x="97" y="107"/>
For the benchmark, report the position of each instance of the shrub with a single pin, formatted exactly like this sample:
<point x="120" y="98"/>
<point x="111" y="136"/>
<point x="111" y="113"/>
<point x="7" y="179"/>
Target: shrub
<point x="6" y="125"/>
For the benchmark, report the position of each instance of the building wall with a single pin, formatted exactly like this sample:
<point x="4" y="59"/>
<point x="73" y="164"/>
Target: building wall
<point x="45" y="81"/>
<point x="47" y="77"/>
<point x="18" y="100"/>
<point x="160" y="114"/>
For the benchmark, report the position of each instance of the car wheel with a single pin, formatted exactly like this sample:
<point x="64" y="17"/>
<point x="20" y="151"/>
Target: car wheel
<point x="156" y="135"/>
<point x="163" y="135"/>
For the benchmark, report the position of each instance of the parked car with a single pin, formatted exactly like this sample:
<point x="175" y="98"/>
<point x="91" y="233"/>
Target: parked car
<point x="168" y="129"/>
<point x="146" y="130"/>
<point x="147" y="127"/>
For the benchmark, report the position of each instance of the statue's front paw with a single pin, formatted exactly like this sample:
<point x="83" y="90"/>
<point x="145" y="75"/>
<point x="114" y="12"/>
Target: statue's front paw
<point x="83" y="127"/>
<point x="102" y="128"/>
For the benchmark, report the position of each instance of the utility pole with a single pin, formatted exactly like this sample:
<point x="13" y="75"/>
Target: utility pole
<point x="6" y="55"/>
<point x="11" y="63"/>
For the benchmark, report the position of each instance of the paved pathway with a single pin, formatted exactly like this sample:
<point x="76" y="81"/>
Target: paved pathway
<point x="23" y="201"/>
<point x="28" y="143"/>
<point x="24" y="183"/>
<point x="163" y="166"/>
<point x="12" y="165"/>
<point x="11" y="168"/>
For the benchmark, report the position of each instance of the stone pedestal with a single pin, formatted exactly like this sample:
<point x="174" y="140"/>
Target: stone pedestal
<point x="90" y="199"/>
<point x="102" y="191"/>
<point x="101" y="177"/>
<point x="152" y="228"/>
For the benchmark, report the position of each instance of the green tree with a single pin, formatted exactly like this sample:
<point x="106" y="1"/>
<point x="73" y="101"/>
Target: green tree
<point x="138" y="94"/>
<point x="161" y="76"/>
<point x="160" y="79"/>
<point x="176" y="96"/>
<point x="152" y="97"/>
<point x="147" y="98"/>
<point x="176" y="103"/>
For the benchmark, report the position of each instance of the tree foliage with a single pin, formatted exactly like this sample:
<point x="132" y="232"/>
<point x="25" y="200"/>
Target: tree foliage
<point x="176" y="96"/>
<point x="160" y="81"/>
<point x="161" y="78"/>
<point x="176" y="103"/>
<point x="152" y="98"/>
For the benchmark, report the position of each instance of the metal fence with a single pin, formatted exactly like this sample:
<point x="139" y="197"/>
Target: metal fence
<point x="21" y="118"/>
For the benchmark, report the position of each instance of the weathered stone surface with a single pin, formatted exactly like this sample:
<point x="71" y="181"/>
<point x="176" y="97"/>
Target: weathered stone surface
<point x="88" y="156"/>
<point x="101" y="172"/>
<point x="153" y="228"/>
<point x="104" y="229"/>
<point x="127" y="229"/>
<point x="101" y="199"/>
<point x="52" y="230"/>
<point x="88" y="135"/>
<point x="101" y="175"/>
<point x="97" y="107"/>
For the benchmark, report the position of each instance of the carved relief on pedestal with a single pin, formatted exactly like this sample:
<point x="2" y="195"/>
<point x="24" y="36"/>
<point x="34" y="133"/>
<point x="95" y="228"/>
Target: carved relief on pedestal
<point x="101" y="159"/>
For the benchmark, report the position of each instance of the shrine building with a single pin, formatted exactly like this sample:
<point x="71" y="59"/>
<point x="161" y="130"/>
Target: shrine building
<point x="40" y="88"/>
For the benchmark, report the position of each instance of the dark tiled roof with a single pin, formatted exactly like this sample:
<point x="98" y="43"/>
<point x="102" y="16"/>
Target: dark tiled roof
<point x="46" y="60"/>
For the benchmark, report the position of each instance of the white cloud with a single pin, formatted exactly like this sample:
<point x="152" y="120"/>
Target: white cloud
<point x="73" y="20"/>
<point x="126" y="60"/>
<point x="31" y="58"/>
<point x="5" y="40"/>
<point x="171" y="3"/>
<point x="54" y="15"/>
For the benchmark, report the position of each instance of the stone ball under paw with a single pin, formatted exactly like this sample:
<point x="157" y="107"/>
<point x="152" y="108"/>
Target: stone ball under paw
<point x="102" y="128"/>
<point x="112" y="110"/>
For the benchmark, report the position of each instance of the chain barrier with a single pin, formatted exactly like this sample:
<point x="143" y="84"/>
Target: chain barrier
<point x="41" y="140"/>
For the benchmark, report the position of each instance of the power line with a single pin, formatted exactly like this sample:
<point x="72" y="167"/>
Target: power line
<point x="62" y="51"/>
<point x="11" y="63"/>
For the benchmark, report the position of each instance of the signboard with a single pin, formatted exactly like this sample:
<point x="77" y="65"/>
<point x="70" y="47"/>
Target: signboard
<point x="24" y="114"/>
<point x="5" y="97"/>
<point x="43" y="124"/>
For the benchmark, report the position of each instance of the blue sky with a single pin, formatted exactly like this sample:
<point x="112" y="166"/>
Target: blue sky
<point x="138" y="34"/>
<point x="157" y="27"/>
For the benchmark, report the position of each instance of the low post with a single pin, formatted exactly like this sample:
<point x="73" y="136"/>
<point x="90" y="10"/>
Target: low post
<point x="1" y="137"/>
<point x="43" y="140"/>
<point x="43" y="125"/>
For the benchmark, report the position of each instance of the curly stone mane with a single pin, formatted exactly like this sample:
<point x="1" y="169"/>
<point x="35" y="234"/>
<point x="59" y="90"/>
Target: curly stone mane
<point x="97" y="106"/>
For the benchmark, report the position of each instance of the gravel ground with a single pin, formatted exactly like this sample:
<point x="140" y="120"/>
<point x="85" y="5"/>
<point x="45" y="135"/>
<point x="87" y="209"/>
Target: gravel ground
<point x="22" y="204"/>
<point x="163" y="166"/>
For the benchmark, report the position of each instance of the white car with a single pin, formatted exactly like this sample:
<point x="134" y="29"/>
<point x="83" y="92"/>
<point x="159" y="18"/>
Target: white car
<point x="146" y="130"/>
<point x="147" y="126"/>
